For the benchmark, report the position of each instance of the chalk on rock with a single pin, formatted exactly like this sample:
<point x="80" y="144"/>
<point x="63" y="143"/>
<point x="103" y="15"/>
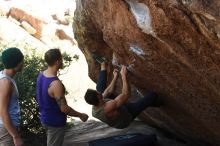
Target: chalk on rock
<point x="138" y="51"/>
<point x="142" y="15"/>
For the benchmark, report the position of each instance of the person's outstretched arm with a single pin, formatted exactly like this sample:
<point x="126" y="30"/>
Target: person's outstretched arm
<point x="58" y="92"/>
<point x="111" y="88"/>
<point x="123" y="97"/>
<point x="5" y="93"/>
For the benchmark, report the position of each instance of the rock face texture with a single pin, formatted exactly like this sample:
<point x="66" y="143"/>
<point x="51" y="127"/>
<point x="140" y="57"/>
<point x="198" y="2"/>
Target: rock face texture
<point x="171" y="47"/>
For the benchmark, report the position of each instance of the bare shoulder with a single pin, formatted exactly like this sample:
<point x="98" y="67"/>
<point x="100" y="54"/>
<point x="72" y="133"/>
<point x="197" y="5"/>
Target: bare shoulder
<point x="110" y="106"/>
<point x="5" y="86"/>
<point x="56" y="84"/>
<point x="5" y="83"/>
<point x="56" y="89"/>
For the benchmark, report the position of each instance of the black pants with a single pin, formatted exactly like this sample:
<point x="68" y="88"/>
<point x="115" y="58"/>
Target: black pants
<point x="135" y="108"/>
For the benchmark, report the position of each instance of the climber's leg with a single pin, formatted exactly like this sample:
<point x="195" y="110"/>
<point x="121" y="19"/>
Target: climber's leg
<point x="102" y="79"/>
<point x="137" y="107"/>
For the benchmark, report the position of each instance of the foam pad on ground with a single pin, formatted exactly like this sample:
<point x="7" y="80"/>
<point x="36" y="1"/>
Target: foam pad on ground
<point x="135" y="139"/>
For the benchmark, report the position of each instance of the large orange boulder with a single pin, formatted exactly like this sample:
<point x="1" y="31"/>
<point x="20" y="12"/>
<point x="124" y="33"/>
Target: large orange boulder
<point x="171" y="47"/>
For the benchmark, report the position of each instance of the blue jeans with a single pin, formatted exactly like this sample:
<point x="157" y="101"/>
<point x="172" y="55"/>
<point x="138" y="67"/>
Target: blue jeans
<point x="102" y="81"/>
<point x="135" y="108"/>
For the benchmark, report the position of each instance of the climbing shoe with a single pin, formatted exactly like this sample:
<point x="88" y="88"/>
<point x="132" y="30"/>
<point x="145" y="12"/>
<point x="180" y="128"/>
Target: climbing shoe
<point x="99" y="59"/>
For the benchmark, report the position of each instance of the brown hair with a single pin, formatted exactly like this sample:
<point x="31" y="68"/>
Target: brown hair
<point x="91" y="97"/>
<point x="52" y="55"/>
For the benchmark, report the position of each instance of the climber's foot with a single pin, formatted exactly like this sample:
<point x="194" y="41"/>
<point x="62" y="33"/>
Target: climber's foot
<point x="99" y="59"/>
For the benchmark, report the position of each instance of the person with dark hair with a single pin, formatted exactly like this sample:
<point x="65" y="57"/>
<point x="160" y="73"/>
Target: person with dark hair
<point x="53" y="55"/>
<point x="116" y="111"/>
<point x="12" y="59"/>
<point x="52" y="102"/>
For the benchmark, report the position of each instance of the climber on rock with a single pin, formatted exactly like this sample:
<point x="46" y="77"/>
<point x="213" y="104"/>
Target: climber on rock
<point x="115" y="110"/>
